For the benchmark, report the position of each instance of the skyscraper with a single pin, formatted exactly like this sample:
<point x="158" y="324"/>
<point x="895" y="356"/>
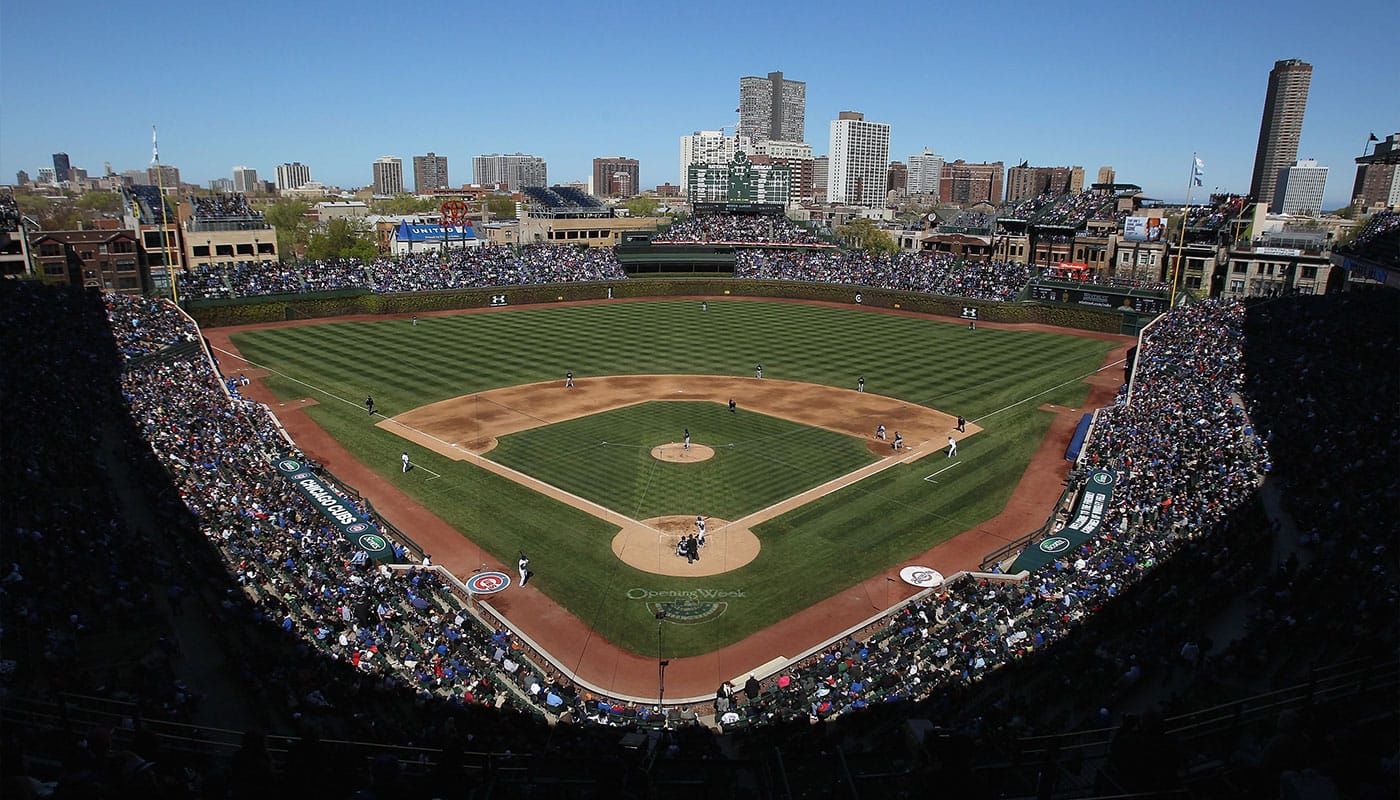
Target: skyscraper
<point x="859" y="158"/>
<point x="515" y="171"/>
<point x="429" y="173"/>
<point x="1378" y="175"/>
<point x="1107" y="175"/>
<point x="292" y="176"/>
<point x="62" y="169"/>
<point x="388" y="176"/>
<point x="925" y="170"/>
<point x="1281" y="125"/>
<point x="616" y="176"/>
<point x="772" y="108"/>
<point x="245" y="179"/>
<point x="1299" y="189"/>
<point x="705" y="147"/>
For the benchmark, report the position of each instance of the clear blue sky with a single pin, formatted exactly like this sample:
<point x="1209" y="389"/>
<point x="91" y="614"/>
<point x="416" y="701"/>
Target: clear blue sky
<point x="1139" y="86"/>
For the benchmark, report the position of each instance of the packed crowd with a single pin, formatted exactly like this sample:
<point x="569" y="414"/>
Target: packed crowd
<point x="936" y="273"/>
<point x="1214" y="217"/>
<point x="370" y="638"/>
<point x="1379" y="238"/>
<point x="968" y="221"/>
<point x="9" y="212"/>
<point x="736" y="229"/>
<point x="1028" y="208"/>
<point x="1073" y="210"/>
<point x="1182" y="425"/>
<point x="424" y="271"/>
<point x="222" y="206"/>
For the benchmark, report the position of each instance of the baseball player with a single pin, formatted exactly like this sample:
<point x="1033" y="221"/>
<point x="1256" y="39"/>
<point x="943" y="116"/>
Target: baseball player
<point x="962" y="424"/>
<point x="758" y="371"/>
<point x="880" y="432"/>
<point x="732" y="405"/>
<point x="568" y="380"/>
<point x="686" y="446"/>
<point x="898" y="443"/>
<point x="404" y="459"/>
<point x="952" y="446"/>
<point x="700" y="526"/>
<point x="704" y="306"/>
<point x="415" y="320"/>
<point x="369" y="404"/>
<point x="860" y="384"/>
<point x="524" y="566"/>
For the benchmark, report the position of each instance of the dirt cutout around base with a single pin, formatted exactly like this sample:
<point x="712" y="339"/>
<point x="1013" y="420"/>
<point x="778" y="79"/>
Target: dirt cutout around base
<point x="650" y="546"/>
<point x="680" y="453"/>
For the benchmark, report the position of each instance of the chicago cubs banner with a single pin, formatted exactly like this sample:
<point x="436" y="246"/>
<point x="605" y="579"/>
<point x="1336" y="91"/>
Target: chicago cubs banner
<point x="335" y="509"/>
<point x="1088" y="517"/>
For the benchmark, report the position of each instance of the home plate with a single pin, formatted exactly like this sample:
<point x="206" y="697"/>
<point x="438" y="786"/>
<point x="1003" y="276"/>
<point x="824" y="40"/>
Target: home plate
<point x="922" y="577"/>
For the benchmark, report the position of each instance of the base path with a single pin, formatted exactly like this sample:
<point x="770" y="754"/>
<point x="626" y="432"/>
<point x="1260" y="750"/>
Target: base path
<point x="602" y="663"/>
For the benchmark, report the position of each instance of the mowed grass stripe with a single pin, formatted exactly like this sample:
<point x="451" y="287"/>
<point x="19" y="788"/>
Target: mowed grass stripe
<point x="771" y="459"/>
<point x="807" y="554"/>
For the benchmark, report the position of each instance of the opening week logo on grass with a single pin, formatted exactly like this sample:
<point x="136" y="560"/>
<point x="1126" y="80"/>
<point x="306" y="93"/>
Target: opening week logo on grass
<point x="686" y="606"/>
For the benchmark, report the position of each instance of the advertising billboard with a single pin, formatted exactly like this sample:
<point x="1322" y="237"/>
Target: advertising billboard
<point x="1144" y="229"/>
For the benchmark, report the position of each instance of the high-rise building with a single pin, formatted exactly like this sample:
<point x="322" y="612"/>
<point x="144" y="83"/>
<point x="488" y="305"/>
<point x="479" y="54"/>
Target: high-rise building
<point x="1107" y="175"/>
<point x="1281" y="126"/>
<point x="1024" y="182"/>
<point x="705" y="147"/>
<point x="515" y="171"/>
<point x="1299" y="189"/>
<point x="966" y="184"/>
<point x="388" y="176"/>
<point x="21" y="178"/>
<point x="616" y="176"/>
<point x="429" y="173"/>
<point x="46" y="176"/>
<point x="1378" y="176"/>
<point x="797" y="156"/>
<point x="292" y="176"/>
<point x="859" y="158"/>
<point x="925" y="170"/>
<point x="897" y="178"/>
<point x="62" y="168"/>
<point x="245" y="179"/>
<point x="821" y="170"/>
<point x="772" y="108"/>
<point x="166" y="177"/>
<point x="221" y="185"/>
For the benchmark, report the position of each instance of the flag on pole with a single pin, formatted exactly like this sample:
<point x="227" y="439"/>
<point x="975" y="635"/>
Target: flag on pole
<point x="1373" y="137"/>
<point x="1198" y="169"/>
<point x="155" y="151"/>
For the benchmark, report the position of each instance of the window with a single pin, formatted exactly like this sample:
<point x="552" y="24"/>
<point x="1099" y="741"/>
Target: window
<point x="1310" y="273"/>
<point x="1240" y="267"/>
<point x="1237" y="286"/>
<point x="50" y="250"/>
<point x="201" y="251"/>
<point x="54" y="269"/>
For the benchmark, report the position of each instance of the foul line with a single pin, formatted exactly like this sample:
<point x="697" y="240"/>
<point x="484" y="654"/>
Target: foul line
<point x="1051" y="389"/>
<point x="941" y="471"/>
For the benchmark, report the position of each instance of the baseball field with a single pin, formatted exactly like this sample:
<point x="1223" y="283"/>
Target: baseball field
<point x="593" y="482"/>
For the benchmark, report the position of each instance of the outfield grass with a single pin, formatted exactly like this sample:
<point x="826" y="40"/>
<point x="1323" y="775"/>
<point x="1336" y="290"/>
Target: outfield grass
<point x="993" y="377"/>
<point x="759" y="460"/>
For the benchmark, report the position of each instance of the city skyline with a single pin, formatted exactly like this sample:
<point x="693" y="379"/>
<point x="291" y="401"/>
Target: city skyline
<point x="1110" y="95"/>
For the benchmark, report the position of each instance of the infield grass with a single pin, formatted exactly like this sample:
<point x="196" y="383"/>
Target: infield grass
<point x="995" y="378"/>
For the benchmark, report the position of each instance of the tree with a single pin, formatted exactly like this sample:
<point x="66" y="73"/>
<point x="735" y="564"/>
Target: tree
<point x="642" y="206"/>
<point x="341" y="238"/>
<point x="861" y="234"/>
<point x="288" y="218"/>
<point x="104" y="202"/>
<point x="501" y="207"/>
<point x="405" y="204"/>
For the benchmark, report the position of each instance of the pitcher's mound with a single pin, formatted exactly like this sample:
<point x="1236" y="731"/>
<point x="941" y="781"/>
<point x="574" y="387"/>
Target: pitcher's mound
<point x="676" y="452"/>
<point x="651" y="546"/>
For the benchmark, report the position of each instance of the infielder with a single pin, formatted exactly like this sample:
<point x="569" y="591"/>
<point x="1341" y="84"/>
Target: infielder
<point x="568" y="380"/>
<point x="700" y="525"/>
<point x="880" y="432"/>
<point x="860" y="384"/>
<point x="686" y="446"/>
<point x="898" y="442"/>
<point x="758" y="371"/>
<point x="952" y="446"/>
<point x="404" y="459"/>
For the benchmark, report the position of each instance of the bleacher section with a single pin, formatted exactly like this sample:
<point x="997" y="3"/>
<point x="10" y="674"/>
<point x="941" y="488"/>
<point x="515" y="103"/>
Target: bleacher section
<point x="564" y="202"/>
<point x="144" y="202"/>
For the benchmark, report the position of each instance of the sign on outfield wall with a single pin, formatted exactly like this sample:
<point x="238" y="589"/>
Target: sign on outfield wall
<point x="498" y="300"/>
<point x="336" y="509"/>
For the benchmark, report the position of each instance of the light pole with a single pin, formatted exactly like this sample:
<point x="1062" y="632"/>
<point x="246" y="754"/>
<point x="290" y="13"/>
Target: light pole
<point x="661" y="666"/>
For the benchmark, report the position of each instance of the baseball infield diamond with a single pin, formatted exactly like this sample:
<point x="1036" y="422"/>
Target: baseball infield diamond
<point x="819" y="565"/>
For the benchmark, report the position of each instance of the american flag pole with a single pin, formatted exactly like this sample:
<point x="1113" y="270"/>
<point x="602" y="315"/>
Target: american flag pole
<point x="1197" y="169"/>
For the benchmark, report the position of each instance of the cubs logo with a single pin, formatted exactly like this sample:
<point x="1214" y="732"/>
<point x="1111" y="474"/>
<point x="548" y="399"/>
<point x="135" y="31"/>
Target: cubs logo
<point x="1103" y="478"/>
<point x="373" y="542"/>
<point x="289" y="465"/>
<point x="488" y="582"/>
<point x="688" y="612"/>
<point x="358" y="527"/>
<point x="1054" y="544"/>
<point x="858" y="297"/>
